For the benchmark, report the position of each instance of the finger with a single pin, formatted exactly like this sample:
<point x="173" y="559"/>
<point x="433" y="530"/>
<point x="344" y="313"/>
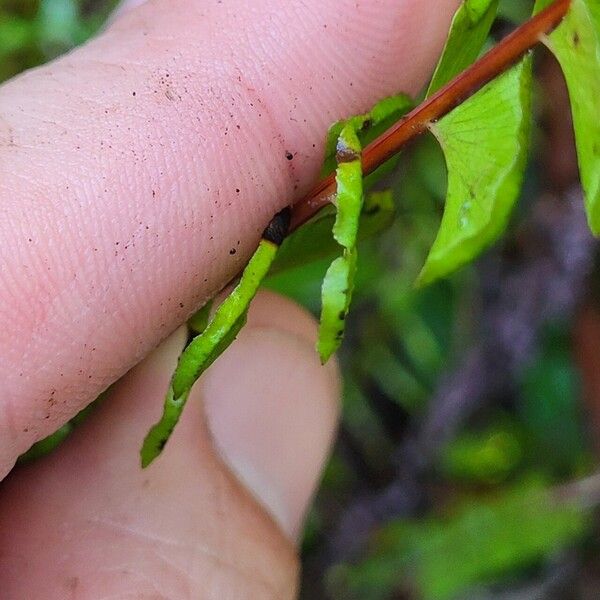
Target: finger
<point x="137" y="173"/>
<point x="272" y="420"/>
<point x="88" y="522"/>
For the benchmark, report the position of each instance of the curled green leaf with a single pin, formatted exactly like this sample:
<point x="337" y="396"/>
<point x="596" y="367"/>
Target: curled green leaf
<point x="366" y="126"/>
<point x="336" y="292"/>
<point x="336" y="297"/>
<point x="220" y="332"/>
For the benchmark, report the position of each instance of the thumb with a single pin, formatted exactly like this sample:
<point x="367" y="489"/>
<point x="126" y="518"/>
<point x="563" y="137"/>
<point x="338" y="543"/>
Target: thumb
<point x="86" y="522"/>
<point x="138" y="172"/>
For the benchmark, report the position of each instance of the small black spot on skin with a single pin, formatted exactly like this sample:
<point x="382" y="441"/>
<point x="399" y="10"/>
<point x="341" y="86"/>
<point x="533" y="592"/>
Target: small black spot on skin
<point x="278" y="228"/>
<point x="289" y="155"/>
<point x="342" y="316"/>
<point x="575" y="39"/>
<point x="134" y="93"/>
<point x="232" y="251"/>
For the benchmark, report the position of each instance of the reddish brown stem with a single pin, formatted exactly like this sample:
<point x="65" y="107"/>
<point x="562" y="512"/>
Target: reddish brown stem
<point x="492" y="64"/>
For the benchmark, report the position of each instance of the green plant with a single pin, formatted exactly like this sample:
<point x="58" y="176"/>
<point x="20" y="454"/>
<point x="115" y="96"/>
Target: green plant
<point x="474" y="543"/>
<point x="480" y="113"/>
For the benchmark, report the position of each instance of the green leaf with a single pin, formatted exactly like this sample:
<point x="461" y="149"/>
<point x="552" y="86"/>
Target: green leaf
<point x="54" y="440"/>
<point x="367" y="126"/>
<point x="485" y="540"/>
<point x="576" y="45"/>
<point x="204" y="349"/>
<point x="47" y="444"/>
<point x="489" y="456"/>
<point x="349" y="195"/>
<point x="485" y="141"/>
<point x="468" y="33"/>
<point x="336" y="296"/>
<point x="336" y="292"/>
<point x="393" y="376"/>
<point x="478" y="542"/>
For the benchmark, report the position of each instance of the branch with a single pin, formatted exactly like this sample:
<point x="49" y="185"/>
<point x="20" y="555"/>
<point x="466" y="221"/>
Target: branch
<point x="492" y="64"/>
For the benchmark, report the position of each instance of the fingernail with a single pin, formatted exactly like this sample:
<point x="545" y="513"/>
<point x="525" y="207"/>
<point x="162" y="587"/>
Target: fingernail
<point x="272" y="410"/>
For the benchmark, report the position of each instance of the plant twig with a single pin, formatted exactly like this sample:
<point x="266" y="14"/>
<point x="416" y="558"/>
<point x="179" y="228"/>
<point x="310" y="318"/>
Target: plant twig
<point x="492" y="64"/>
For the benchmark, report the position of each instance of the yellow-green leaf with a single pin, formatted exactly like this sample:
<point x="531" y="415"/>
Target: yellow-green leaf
<point x="336" y="296"/>
<point x="485" y="141"/>
<point x="205" y="348"/>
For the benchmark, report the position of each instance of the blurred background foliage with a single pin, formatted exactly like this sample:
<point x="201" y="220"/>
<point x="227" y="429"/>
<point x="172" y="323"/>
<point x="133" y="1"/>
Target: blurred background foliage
<point x="465" y="463"/>
<point x="34" y="31"/>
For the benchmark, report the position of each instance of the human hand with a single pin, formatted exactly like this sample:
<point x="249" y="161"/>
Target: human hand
<point x="130" y="171"/>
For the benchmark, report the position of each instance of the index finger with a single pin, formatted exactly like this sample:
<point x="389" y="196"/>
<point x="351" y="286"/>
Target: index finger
<point x="137" y="173"/>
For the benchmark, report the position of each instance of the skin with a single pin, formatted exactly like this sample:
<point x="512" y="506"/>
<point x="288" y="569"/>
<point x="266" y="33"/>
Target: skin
<point x="120" y="166"/>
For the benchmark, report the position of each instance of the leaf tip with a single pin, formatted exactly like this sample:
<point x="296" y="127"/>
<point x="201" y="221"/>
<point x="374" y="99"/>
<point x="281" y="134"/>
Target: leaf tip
<point x="146" y="456"/>
<point x="592" y="209"/>
<point x="427" y="276"/>
<point x="151" y="448"/>
<point x="325" y="353"/>
<point x="594" y="225"/>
